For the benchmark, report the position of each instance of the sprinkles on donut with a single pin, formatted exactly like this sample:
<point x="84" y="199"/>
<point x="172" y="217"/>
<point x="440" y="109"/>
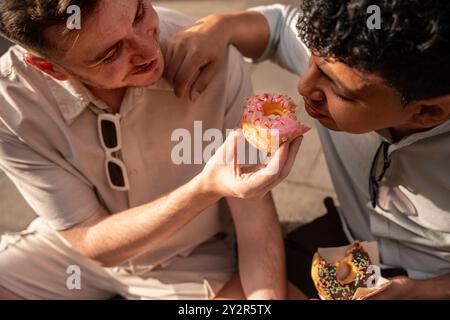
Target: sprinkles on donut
<point x="269" y="120"/>
<point x="340" y="280"/>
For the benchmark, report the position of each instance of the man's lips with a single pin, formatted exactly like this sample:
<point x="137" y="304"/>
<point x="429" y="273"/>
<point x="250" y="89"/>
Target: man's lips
<point x="312" y="111"/>
<point x="148" y="67"/>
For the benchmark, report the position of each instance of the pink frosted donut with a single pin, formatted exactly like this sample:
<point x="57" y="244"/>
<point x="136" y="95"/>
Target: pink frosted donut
<point x="269" y="120"/>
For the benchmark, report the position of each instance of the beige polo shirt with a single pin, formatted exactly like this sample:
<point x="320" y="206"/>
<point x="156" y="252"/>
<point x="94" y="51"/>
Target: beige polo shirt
<point x="50" y="149"/>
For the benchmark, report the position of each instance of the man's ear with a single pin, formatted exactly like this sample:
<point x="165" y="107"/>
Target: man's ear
<point x="45" y="66"/>
<point x="431" y="112"/>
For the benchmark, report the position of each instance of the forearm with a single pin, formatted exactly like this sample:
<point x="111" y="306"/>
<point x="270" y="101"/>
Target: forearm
<point x="113" y="239"/>
<point x="248" y="31"/>
<point x="262" y="265"/>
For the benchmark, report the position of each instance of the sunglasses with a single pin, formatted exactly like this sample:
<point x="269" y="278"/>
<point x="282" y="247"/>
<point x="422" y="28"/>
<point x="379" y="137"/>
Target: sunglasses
<point x="387" y="197"/>
<point x="380" y="164"/>
<point x="111" y="141"/>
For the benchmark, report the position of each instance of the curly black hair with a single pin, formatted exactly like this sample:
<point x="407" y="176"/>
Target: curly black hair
<point x="410" y="51"/>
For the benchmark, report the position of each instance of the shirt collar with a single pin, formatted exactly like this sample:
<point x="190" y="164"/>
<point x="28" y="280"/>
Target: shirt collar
<point x="413" y="138"/>
<point x="73" y="97"/>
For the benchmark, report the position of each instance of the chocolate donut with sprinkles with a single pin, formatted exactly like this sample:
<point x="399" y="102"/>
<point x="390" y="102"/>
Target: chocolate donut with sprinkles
<point x="340" y="280"/>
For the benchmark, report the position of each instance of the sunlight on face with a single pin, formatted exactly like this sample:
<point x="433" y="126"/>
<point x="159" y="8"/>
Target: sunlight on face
<point x="344" y="99"/>
<point x="117" y="46"/>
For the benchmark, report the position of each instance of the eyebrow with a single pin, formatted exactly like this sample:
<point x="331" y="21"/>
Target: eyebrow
<point x="341" y="88"/>
<point x="103" y="53"/>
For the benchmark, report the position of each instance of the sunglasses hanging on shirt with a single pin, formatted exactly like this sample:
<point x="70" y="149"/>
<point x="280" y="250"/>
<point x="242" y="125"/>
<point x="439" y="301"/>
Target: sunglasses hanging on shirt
<point x="381" y="162"/>
<point x="387" y="197"/>
<point x="111" y="140"/>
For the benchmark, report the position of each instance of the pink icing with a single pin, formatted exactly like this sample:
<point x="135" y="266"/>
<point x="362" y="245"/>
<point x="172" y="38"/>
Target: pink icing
<point x="287" y="124"/>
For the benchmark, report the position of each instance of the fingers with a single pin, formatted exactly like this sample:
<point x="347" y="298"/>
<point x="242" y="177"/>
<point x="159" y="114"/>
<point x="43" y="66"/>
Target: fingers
<point x="277" y="161"/>
<point x="236" y="167"/>
<point x="252" y="169"/>
<point x="168" y="51"/>
<point x="185" y="67"/>
<point x="264" y="178"/>
<point x="259" y="179"/>
<point x="284" y="159"/>
<point x="228" y="152"/>
<point x="293" y="151"/>
<point x="279" y="166"/>
<point x="175" y="57"/>
<point x="192" y="65"/>
<point x="203" y="79"/>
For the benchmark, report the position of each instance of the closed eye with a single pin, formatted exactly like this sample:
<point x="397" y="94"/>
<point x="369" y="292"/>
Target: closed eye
<point x="112" y="55"/>
<point x="344" y="98"/>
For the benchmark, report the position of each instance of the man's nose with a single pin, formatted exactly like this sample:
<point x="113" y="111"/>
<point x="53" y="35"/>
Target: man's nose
<point x="145" y="50"/>
<point x="310" y="90"/>
<point x="309" y="85"/>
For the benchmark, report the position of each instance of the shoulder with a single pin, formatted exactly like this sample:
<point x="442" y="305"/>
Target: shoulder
<point x="16" y="75"/>
<point x="13" y="64"/>
<point x="25" y="95"/>
<point x="172" y="21"/>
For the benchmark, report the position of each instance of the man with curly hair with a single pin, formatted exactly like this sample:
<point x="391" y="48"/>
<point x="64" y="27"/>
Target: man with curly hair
<point x="382" y="100"/>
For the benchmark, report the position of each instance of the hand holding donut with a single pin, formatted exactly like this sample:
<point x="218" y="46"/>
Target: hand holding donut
<point x="224" y="176"/>
<point x="265" y="117"/>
